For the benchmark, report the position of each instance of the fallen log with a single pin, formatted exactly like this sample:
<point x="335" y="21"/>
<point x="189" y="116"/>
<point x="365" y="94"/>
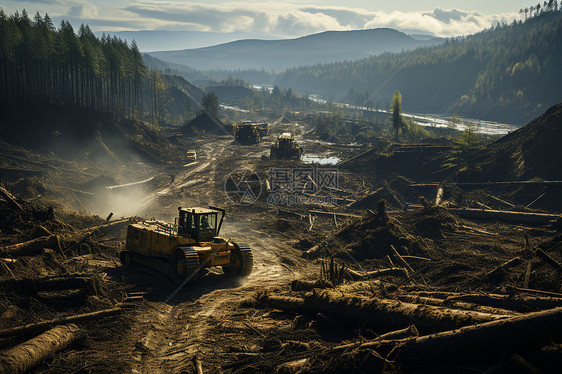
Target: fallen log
<point x="534" y="201"/>
<point x="313" y="252"/>
<point x="525" y="303"/>
<point x="31" y="247"/>
<point x="401" y="259"/>
<point x="10" y="199"/>
<point x="104" y="229"/>
<point x="478" y="230"/>
<point x="407" y="333"/>
<point x="416" y="258"/>
<point x="30" y="286"/>
<point x="25" y="356"/>
<point x="549" y="260"/>
<point x="389" y="272"/>
<point x="321" y="213"/>
<point x="505" y="215"/>
<point x="537" y="292"/>
<point x="501" y="201"/>
<point x="112" y="225"/>
<point x="505" y="266"/>
<point x="477" y="185"/>
<point x="131" y="299"/>
<point x="369" y="200"/>
<point x="292" y="366"/>
<point x="286" y="303"/>
<point x="503" y="335"/>
<point x="455" y="304"/>
<point x="132" y="184"/>
<point x="482" y="205"/>
<point x="395" y="194"/>
<point x="291" y="214"/>
<point x="68" y="297"/>
<point x="380" y="314"/>
<point x="42" y="326"/>
<point x="518" y="304"/>
<point x="361" y="155"/>
<point x="436" y="294"/>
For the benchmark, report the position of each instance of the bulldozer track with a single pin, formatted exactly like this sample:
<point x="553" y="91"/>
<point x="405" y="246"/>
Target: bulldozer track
<point x="187" y="266"/>
<point x="247" y="259"/>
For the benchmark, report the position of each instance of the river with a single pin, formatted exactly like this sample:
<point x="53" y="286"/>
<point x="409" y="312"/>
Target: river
<point x="437" y="120"/>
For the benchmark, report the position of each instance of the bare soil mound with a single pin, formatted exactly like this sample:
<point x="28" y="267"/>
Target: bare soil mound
<point x="432" y="222"/>
<point x="373" y="237"/>
<point x="533" y="151"/>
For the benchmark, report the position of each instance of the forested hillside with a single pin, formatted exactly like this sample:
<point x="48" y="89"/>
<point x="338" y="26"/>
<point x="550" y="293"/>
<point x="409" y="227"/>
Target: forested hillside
<point x="48" y="70"/>
<point x="505" y="73"/>
<point x="43" y="65"/>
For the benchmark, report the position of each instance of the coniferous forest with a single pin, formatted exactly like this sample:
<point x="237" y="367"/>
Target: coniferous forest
<point x="44" y="69"/>
<point x="506" y="73"/>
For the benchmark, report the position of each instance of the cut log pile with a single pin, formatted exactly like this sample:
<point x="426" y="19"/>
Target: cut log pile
<point x="432" y="289"/>
<point x="47" y="291"/>
<point x="421" y="327"/>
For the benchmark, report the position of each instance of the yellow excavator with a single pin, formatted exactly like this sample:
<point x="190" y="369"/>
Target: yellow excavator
<point x="184" y="249"/>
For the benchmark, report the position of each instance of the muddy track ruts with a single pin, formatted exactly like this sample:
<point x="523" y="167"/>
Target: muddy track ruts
<point x="176" y="331"/>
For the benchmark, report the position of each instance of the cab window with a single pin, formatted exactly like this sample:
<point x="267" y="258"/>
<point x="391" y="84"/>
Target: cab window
<point x="208" y="222"/>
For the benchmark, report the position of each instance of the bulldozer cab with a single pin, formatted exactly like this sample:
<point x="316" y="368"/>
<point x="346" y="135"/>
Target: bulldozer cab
<point x="199" y="223"/>
<point x="285" y="141"/>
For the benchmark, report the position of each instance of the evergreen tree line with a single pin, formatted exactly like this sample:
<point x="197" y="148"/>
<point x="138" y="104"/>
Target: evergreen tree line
<point x="41" y="65"/>
<point x="504" y="73"/>
<point x="535" y="10"/>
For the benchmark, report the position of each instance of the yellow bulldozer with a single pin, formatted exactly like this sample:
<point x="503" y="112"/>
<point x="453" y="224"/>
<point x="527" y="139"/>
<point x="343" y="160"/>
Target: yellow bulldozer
<point x="183" y="250"/>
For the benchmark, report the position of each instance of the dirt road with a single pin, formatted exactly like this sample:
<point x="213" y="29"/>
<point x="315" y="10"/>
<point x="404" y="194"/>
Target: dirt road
<point x="169" y="333"/>
<point x="177" y="330"/>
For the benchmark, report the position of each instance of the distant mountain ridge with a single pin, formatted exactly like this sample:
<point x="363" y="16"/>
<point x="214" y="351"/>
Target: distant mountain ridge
<point x="278" y="55"/>
<point x="166" y="40"/>
<point x="508" y="73"/>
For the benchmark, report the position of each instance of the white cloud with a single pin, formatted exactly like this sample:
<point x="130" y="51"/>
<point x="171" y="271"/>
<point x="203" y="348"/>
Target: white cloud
<point x="439" y="22"/>
<point x="82" y="9"/>
<point x="291" y="20"/>
<point x="50" y="2"/>
<point x="273" y="18"/>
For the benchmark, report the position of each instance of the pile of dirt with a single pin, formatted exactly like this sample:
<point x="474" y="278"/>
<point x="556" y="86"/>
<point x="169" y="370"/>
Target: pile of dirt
<point x="29" y="187"/>
<point x="432" y="222"/>
<point x="75" y="134"/>
<point x="415" y="161"/>
<point x="30" y="222"/>
<point x="533" y="151"/>
<point x="383" y="193"/>
<point x="373" y="237"/>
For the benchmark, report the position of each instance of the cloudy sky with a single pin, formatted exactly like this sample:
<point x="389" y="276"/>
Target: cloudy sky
<point x="279" y="18"/>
